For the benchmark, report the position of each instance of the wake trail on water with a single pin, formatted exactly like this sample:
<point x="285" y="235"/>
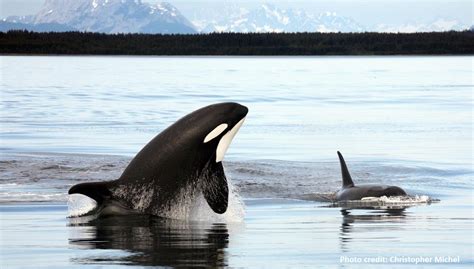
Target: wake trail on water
<point x="388" y="202"/>
<point x="376" y="202"/>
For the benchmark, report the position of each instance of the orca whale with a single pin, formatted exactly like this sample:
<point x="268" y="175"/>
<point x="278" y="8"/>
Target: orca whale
<point x="351" y="192"/>
<point x="182" y="161"/>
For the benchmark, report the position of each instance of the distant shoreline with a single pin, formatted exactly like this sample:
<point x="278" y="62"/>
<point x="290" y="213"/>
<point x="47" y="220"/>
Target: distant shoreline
<point x="237" y="44"/>
<point x="232" y="56"/>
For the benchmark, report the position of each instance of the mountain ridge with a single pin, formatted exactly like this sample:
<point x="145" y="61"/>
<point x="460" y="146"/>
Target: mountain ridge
<point x="109" y="16"/>
<point x="269" y="18"/>
<point x="136" y="16"/>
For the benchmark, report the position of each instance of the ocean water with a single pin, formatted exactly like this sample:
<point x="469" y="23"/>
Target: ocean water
<point x="406" y="121"/>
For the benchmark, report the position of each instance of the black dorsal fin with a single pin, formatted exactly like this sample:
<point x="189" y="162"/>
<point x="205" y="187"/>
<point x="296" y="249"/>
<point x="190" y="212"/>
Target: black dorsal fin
<point x="346" y="177"/>
<point x="98" y="191"/>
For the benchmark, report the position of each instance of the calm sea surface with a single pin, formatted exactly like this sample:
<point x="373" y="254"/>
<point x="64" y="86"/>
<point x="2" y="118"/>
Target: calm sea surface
<point x="406" y="121"/>
<point x="410" y="108"/>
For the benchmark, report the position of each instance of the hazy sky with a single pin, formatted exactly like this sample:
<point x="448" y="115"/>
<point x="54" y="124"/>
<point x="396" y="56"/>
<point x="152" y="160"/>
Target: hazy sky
<point x="364" y="11"/>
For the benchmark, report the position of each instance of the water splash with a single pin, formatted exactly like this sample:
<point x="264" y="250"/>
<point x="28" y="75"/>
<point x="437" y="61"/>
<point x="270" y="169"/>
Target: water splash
<point x="80" y="205"/>
<point x="388" y="202"/>
<point x="200" y="210"/>
<point x="417" y="199"/>
<point x="190" y="205"/>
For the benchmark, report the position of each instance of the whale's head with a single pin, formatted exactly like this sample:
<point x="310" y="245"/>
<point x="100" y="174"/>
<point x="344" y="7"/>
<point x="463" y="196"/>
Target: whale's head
<point x="190" y="152"/>
<point x="193" y="140"/>
<point x="213" y="128"/>
<point x="204" y="137"/>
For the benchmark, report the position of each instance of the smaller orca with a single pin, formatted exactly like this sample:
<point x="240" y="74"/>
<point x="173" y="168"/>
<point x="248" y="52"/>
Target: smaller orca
<point x="351" y="192"/>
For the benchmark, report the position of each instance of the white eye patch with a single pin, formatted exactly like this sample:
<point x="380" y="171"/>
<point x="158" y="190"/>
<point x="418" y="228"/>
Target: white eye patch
<point x="216" y="132"/>
<point x="225" y="141"/>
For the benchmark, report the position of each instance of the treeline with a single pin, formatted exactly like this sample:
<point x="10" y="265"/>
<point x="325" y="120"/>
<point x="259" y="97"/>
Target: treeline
<point x="78" y="43"/>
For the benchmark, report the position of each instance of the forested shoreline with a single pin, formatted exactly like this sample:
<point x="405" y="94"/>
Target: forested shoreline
<point x="83" y="43"/>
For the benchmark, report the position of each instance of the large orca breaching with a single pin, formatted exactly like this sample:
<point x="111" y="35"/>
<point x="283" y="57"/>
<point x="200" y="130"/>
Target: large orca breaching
<point x="185" y="157"/>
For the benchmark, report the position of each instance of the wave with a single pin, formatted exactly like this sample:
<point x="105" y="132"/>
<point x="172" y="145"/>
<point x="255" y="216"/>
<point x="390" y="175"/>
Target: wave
<point x="47" y="177"/>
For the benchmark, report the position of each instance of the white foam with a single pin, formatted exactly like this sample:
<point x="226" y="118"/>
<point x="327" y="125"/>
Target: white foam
<point x="80" y="205"/>
<point x="400" y="200"/>
<point x="191" y="205"/>
<point x="200" y="210"/>
<point x="389" y="202"/>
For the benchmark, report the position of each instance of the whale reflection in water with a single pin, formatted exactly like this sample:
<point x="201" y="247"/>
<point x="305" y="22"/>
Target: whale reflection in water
<point x="369" y="224"/>
<point x="150" y="241"/>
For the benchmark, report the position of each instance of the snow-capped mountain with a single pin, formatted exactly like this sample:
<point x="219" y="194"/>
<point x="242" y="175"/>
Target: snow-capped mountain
<point x="268" y="18"/>
<point x="438" y="25"/>
<point x="135" y="16"/>
<point x="110" y="16"/>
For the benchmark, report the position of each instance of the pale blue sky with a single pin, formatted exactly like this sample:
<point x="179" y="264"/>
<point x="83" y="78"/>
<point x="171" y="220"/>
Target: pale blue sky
<point x="368" y="12"/>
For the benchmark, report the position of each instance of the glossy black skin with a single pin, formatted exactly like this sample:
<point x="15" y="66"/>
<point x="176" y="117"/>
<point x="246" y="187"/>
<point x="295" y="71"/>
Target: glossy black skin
<point x="368" y="190"/>
<point x="351" y="192"/>
<point x="175" y="159"/>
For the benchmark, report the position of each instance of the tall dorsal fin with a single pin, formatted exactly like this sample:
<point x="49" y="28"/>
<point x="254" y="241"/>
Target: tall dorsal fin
<point x="346" y="177"/>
